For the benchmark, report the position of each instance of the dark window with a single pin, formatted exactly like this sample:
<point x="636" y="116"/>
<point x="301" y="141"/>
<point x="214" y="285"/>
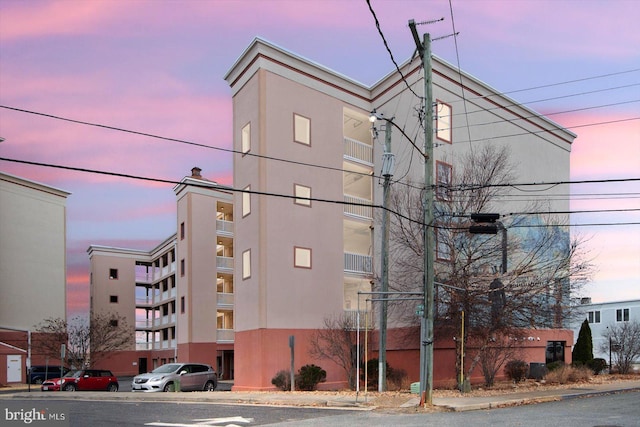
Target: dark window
<point x="181" y="304"/>
<point x="114" y="323"/>
<point x="113" y="298"/>
<point x="622" y="315"/>
<point x="555" y="351"/>
<point x="182" y="267"/>
<point x="181" y="230"/>
<point x="113" y="273"/>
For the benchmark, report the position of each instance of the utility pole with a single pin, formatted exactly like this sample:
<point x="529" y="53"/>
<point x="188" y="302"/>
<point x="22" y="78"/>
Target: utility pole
<point x="426" y="330"/>
<point x="387" y="172"/>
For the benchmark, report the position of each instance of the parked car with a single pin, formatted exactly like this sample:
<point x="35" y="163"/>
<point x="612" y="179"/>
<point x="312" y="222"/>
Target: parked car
<point x="39" y="373"/>
<point x="177" y="376"/>
<point x="84" y="380"/>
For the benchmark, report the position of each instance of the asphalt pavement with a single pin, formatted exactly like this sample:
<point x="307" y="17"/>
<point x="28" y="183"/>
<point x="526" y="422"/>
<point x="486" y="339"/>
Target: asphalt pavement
<point x="346" y="400"/>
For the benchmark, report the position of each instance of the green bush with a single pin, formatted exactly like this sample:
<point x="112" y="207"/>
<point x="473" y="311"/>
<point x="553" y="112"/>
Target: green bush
<point x="516" y="370"/>
<point x="282" y="380"/>
<point x="309" y="376"/>
<point x="597" y="365"/>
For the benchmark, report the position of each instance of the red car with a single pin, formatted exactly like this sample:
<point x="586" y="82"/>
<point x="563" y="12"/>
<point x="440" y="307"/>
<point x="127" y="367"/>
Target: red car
<point x="85" y="379"/>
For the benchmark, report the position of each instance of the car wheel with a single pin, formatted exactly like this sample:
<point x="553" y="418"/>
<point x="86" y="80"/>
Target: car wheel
<point x="37" y="381"/>
<point x="168" y="387"/>
<point x="112" y="387"/>
<point x="70" y="387"/>
<point x="209" y="386"/>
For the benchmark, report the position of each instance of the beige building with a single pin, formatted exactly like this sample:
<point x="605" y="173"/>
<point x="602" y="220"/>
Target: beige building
<point x="179" y="296"/>
<point x="301" y="259"/>
<point x="32" y="262"/>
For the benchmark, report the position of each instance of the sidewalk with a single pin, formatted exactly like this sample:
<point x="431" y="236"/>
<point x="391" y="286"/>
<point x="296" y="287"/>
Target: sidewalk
<point x="344" y="400"/>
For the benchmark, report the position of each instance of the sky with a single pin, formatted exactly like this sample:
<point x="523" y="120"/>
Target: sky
<point x="157" y="67"/>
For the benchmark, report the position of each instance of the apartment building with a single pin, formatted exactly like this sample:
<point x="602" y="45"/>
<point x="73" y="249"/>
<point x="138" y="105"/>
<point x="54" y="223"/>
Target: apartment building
<point x="178" y="296"/>
<point x="301" y="256"/>
<point x="602" y="316"/>
<point x="32" y="267"/>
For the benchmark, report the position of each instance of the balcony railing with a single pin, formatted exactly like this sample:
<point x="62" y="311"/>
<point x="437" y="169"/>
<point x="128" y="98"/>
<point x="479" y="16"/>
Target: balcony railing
<point x="144" y="345"/>
<point x="144" y="277"/>
<point x="358" y="151"/>
<point x="144" y="324"/>
<point x="357" y="210"/>
<point x="225" y="299"/>
<point x="224" y="263"/>
<point x="358" y="263"/>
<point x="366" y="319"/>
<point x="225" y="335"/>
<point x="224" y="227"/>
<point x="144" y="301"/>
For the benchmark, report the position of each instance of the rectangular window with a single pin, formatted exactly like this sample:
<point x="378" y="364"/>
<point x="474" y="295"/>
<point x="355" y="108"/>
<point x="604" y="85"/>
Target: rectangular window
<point x="302" y="257"/>
<point x="303" y="195"/>
<point x="246" y="264"/>
<point x="182" y="267"/>
<point x="113" y="273"/>
<point x="444" y="174"/>
<point x="246" y="201"/>
<point x="246" y="138"/>
<point x="622" y="315"/>
<point x="182" y="231"/>
<point x="182" y="305"/>
<point x="113" y="323"/>
<point x="593" y="316"/>
<point x="443" y="121"/>
<point x="113" y="298"/>
<point x="301" y="129"/>
<point x="443" y="252"/>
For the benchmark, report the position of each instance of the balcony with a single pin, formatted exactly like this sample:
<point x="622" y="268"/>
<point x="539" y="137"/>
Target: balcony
<point x="224" y="227"/>
<point x="358" y="211"/>
<point x="225" y="263"/>
<point x="144" y="302"/>
<point x="144" y="324"/>
<point x="144" y="278"/>
<point x="144" y="345"/>
<point x="225" y="335"/>
<point x="366" y="319"/>
<point x="225" y="299"/>
<point x="358" y="263"/>
<point x="358" y="151"/>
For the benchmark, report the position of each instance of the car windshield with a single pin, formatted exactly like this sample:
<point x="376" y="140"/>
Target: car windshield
<point x="166" y="369"/>
<point x="74" y="374"/>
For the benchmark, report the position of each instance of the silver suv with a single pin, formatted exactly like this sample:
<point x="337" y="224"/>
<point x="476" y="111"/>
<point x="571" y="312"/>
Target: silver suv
<point x="177" y="376"/>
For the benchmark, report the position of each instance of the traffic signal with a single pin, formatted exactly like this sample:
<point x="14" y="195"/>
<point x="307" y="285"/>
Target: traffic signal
<point x="487" y="221"/>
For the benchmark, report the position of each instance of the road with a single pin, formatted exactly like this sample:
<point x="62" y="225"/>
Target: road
<point x="612" y="410"/>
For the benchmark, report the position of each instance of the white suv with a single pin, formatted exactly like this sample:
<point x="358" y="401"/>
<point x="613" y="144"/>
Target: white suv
<point x="177" y="376"/>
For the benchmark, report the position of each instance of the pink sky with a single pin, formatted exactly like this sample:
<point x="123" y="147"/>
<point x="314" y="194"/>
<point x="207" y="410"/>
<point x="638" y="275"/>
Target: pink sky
<point x="158" y="67"/>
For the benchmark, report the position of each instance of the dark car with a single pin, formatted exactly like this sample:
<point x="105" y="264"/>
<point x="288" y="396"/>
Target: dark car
<point x="177" y="376"/>
<point x="83" y="380"/>
<point x="39" y="373"/>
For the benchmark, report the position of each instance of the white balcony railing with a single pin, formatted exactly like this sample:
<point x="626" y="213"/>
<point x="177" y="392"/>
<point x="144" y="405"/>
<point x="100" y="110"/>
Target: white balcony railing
<point x="225" y="335"/>
<point x="356" y="209"/>
<point x="224" y="227"/>
<point x="358" y="263"/>
<point x="144" y="301"/>
<point x="224" y="263"/>
<point x="225" y="299"/>
<point x="144" y="345"/>
<point x="358" y="151"/>
<point x="144" y="277"/>
<point x="366" y="319"/>
<point x="143" y="324"/>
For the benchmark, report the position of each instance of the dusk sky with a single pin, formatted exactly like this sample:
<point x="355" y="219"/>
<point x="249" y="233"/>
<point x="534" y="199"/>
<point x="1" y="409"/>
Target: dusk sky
<point x="157" y="67"/>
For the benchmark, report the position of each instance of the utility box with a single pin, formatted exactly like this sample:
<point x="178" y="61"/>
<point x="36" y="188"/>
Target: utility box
<point x="537" y="371"/>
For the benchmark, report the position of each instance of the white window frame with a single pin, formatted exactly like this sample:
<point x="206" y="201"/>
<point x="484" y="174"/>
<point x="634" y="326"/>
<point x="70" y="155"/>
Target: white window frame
<point x="302" y="194"/>
<point x="246" y="264"/>
<point x="301" y="257"/>
<point x="246" y="138"/>
<point x="246" y="201"/>
<point x="443" y="121"/>
<point x="301" y="129"/>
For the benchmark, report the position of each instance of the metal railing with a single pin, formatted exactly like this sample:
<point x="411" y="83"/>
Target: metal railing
<point x="357" y="210"/>
<point x="225" y="263"/>
<point x="358" y="263"/>
<point x="358" y="151"/>
<point x="224" y="227"/>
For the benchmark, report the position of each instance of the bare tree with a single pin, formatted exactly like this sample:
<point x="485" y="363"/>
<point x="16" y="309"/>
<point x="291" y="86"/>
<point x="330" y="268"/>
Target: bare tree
<point x="87" y="341"/>
<point x="624" y="339"/>
<point x="336" y="342"/>
<point x="546" y="267"/>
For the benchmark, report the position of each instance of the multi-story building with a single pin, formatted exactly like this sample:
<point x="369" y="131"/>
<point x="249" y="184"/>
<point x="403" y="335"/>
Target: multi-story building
<point x="32" y="267"/>
<point x="179" y="296"/>
<point x="601" y="317"/>
<point x="304" y="144"/>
